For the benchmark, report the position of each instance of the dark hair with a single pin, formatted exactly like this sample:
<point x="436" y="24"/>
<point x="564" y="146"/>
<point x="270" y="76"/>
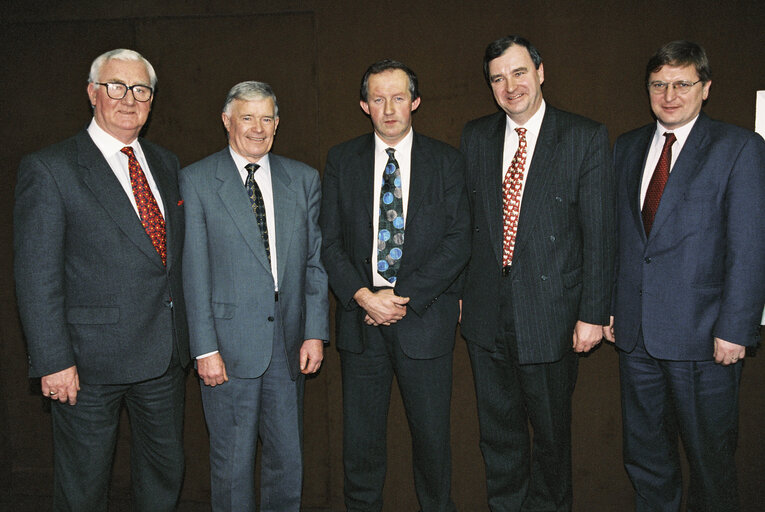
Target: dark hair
<point x="680" y="53"/>
<point x="385" y="65"/>
<point x="498" y="47"/>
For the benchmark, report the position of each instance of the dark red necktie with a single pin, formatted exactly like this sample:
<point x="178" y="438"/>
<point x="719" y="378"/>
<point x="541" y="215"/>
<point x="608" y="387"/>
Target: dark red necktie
<point x="658" y="181"/>
<point x="148" y="209"/>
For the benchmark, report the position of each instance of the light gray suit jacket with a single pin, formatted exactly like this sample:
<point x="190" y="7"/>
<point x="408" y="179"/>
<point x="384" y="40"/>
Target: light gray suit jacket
<point x="227" y="277"/>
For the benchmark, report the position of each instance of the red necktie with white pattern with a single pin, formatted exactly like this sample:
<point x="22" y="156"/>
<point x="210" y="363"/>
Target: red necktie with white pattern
<point x="657" y="183"/>
<point x="511" y="198"/>
<point x="148" y="209"/>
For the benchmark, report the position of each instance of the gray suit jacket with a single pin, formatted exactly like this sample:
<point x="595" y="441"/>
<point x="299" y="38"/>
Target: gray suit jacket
<point x="91" y="288"/>
<point x="227" y="277"/>
<point x="562" y="264"/>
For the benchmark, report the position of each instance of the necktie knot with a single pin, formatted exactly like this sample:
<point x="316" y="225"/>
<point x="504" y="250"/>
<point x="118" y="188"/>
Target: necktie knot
<point x="670" y="138"/>
<point x="521" y="132"/>
<point x="390" y="152"/>
<point x="251" y="168"/>
<point x="127" y="150"/>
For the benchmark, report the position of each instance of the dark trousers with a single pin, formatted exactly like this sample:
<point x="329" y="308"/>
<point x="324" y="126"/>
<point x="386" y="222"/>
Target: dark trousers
<point x="237" y="413"/>
<point x="521" y="476"/>
<point x="425" y="386"/>
<point x="85" y="434"/>
<point x="695" y="400"/>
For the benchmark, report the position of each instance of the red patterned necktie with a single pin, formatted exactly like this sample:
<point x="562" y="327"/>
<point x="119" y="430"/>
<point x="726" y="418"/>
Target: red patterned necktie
<point x="658" y="181"/>
<point x="511" y="198"/>
<point x="148" y="209"/>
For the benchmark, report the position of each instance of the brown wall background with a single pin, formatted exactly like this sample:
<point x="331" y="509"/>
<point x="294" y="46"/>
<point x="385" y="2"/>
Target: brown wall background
<point x="314" y="52"/>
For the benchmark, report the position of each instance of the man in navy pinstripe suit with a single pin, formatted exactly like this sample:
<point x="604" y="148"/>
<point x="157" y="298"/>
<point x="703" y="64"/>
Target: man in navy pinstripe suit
<point x="541" y="188"/>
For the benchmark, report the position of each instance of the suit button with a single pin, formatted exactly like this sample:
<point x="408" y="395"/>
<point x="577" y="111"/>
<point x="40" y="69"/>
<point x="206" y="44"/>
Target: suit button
<point x="367" y="260"/>
<point x="559" y="199"/>
<point x="270" y="319"/>
<point x="477" y="229"/>
<point x="544" y="278"/>
<point x="552" y="238"/>
<point x="370" y="225"/>
<point x="640" y="293"/>
<point x="647" y="259"/>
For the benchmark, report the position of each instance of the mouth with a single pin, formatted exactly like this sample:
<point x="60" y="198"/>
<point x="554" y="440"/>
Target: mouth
<point x="513" y="97"/>
<point x="257" y="139"/>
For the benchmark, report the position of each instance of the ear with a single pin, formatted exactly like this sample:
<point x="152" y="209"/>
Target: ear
<point x="276" y="124"/>
<point x="226" y="120"/>
<point x="364" y="107"/>
<point x="705" y="90"/>
<point x="92" y="93"/>
<point x="416" y="104"/>
<point x="541" y="73"/>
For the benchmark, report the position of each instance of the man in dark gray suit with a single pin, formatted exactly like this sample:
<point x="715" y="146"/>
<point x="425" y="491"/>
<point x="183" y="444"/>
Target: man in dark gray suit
<point x="258" y="302"/>
<point x="537" y="286"/>
<point x="397" y="306"/>
<point x="98" y="239"/>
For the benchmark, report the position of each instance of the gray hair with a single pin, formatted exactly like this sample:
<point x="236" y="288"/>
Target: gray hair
<point x="251" y="90"/>
<point x="120" y="54"/>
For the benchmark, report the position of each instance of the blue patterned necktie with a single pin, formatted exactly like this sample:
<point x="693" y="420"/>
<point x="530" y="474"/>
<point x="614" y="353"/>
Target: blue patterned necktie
<point x="390" y="234"/>
<point x="258" y="206"/>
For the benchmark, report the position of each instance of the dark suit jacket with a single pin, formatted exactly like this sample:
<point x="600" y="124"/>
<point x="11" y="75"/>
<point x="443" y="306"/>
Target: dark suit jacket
<point x="227" y="276"/>
<point x="436" y="247"/>
<point x="565" y="243"/>
<point x="91" y="288"/>
<point x="701" y="272"/>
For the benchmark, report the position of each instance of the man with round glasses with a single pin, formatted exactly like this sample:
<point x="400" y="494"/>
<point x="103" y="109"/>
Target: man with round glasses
<point x="690" y="285"/>
<point x="98" y="238"/>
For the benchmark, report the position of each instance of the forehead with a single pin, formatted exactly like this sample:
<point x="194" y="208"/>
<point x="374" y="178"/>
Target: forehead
<point x="128" y="71"/>
<point x="262" y="107"/>
<point x="669" y="72"/>
<point x="516" y="56"/>
<point x="395" y="80"/>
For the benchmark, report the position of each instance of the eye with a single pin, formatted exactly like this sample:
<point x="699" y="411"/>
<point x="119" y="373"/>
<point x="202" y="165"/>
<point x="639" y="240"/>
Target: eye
<point x="519" y="74"/>
<point x="496" y="79"/>
<point x="267" y="120"/>
<point x="682" y="85"/>
<point x="377" y="100"/>
<point x="247" y="118"/>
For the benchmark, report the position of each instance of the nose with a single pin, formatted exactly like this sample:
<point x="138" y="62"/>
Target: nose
<point x="670" y="93"/>
<point x="389" y="107"/>
<point x="129" y="98"/>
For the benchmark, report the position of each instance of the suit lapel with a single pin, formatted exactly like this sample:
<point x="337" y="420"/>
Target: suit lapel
<point x="284" y="203"/>
<point x="365" y="177"/>
<point x="491" y="174"/>
<point x="683" y="173"/>
<point x="100" y="179"/>
<point x="168" y="191"/>
<point x="419" y="178"/>
<point x="636" y="158"/>
<point x="234" y="197"/>
<point x="541" y="173"/>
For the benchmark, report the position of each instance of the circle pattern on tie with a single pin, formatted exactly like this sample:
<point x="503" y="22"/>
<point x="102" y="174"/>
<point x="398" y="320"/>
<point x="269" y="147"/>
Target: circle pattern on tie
<point x="390" y="237"/>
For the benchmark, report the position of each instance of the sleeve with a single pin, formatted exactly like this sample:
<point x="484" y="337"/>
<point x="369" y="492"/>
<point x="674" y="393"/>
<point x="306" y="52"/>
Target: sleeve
<point x="39" y="220"/>
<point x="316" y="291"/>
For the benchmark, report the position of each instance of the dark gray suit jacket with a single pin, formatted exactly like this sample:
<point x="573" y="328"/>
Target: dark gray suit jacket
<point x="436" y="247"/>
<point x="227" y="276"/>
<point x="91" y="288"/>
<point x="701" y="272"/>
<point x="562" y="264"/>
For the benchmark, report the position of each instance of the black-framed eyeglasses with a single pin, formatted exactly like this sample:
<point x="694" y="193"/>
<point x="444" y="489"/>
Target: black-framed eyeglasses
<point x="680" y="87"/>
<point x="117" y="90"/>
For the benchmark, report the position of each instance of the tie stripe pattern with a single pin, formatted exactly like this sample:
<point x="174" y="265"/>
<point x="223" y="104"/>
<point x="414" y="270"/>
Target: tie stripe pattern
<point x="390" y="233"/>
<point x="511" y="198"/>
<point x="657" y="183"/>
<point x="148" y="209"/>
<point x="258" y="206"/>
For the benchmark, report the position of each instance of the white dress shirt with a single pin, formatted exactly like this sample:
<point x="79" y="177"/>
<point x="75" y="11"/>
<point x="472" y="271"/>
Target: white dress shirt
<point x="533" y="126"/>
<point x="118" y="162"/>
<point x="403" y="156"/>
<point x="654" y="153"/>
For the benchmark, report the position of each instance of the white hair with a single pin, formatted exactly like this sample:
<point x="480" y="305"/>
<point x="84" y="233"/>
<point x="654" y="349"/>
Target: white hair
<point x="120" y="54"/>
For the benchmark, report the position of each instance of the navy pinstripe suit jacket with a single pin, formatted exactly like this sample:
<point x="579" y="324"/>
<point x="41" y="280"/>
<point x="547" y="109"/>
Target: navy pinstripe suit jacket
<point x="563" y="259"/>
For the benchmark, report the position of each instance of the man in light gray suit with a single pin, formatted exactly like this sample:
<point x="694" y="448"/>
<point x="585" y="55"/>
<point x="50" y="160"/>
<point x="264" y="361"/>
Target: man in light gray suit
<point x="257" y="299"/>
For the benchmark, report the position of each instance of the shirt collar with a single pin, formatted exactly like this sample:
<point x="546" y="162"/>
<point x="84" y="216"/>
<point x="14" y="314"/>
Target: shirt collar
<point x="403" y="146"/>
<point x="106" y="143"/>
<point x="241" y="162"/>
<point x="534" y="124"/>
<point x="681" y="134"/>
